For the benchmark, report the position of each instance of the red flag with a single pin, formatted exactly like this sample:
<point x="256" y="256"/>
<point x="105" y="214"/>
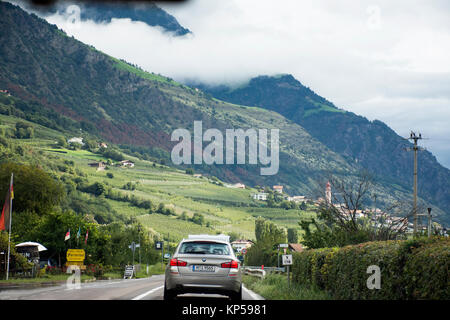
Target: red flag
<point x="67" y="237"/>
<point x="4" y="219"/>
<point x="85" y="239"/>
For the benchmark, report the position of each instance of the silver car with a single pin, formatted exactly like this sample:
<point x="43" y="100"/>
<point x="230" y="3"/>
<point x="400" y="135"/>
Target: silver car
<point x="203" y="265"/>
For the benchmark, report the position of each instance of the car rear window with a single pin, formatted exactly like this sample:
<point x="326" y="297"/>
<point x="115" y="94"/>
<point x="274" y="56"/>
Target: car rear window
<point x="204" y="247"/>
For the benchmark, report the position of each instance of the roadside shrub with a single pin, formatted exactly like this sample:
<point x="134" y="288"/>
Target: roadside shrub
<point x="412" y="269"/>
<point x="426" y="271"/>
<point x="53" y="270"/>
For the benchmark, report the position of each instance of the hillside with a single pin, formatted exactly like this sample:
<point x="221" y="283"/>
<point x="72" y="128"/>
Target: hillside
<point x="149" y="13"/>
<point x="223" y="209"/>
<point x="79" y="87"/>
<point x="371" y="144"/>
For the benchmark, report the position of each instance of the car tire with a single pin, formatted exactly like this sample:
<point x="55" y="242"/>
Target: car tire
<point x="236" y="296"/>
<point x="169" y="294"/>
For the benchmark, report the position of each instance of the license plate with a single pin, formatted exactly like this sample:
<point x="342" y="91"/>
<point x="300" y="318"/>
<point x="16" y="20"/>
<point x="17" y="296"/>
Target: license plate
<point x="203" y="268"/>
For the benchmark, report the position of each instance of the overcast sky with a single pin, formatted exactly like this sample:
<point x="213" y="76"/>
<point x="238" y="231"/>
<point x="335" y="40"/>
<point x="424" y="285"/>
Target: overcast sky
<point x="386" y="60"/>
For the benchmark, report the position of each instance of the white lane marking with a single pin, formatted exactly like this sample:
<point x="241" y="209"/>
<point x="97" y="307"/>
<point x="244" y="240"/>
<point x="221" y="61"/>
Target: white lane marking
<point x="252" y="294"/>
<point x="139" y="297"/>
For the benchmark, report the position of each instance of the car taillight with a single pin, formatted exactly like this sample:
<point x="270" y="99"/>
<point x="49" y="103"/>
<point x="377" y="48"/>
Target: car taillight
<point x="177" y="263"/>
<point x="232" y="264"/>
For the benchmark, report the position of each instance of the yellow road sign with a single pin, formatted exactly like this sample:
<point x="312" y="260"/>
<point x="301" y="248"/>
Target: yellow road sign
<point x="74" y="255"/>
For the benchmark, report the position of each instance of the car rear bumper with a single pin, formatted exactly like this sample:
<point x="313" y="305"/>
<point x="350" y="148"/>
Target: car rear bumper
<point x="202" y="284"/>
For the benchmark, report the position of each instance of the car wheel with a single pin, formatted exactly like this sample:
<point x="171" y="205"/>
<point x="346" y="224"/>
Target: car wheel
<point x="169" y="294"/>
<point x="236" y="296"/>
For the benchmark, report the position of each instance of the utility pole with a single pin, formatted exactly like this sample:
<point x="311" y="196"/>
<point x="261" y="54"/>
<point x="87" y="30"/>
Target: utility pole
<point x="415" y="148"/>
<point x="139" y="235"/>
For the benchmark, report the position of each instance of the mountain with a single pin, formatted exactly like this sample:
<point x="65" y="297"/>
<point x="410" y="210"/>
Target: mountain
<point x="77" y="87"/>
<point x="372" y="144"/>
<point x="104" y="12"/>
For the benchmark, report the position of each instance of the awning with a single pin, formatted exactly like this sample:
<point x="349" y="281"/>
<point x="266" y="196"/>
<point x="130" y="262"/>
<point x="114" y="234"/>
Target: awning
<point x="32" y="244"/>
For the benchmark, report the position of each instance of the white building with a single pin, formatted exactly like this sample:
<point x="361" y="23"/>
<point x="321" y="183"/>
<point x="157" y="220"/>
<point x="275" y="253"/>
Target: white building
<point x="127" y="163"/>
<point x="76" y="140"/>
<point x="296" y="199"/>
<point x="260" y="196"/>
<point x="278" y="189"/>
<point x="241" y="244"/>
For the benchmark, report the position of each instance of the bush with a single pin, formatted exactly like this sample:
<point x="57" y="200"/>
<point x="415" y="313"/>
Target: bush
<point x="413" y="269"/>
<point x="425" y="272"/>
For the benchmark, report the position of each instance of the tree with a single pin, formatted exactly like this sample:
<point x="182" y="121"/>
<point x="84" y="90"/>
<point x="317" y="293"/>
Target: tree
<point x="292" y="235"/>
<point x="198" y="218"/>
<point x="183" y="216"/>
<point x="339" y="223"/>
<point x="61" y="142"/>
<point x="303" y="206"/>
<point x="24" y="130"/>
<point x="268" y="236"/>
<point x="34" y="189"/>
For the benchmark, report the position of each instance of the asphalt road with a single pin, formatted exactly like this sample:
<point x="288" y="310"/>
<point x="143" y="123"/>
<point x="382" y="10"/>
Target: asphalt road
<point x="129" y="289"/>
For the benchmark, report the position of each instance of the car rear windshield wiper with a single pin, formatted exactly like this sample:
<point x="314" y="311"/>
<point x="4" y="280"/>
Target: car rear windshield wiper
<point x="197" y="252"/>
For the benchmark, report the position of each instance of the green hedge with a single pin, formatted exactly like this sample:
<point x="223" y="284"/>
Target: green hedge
<point x="412" y="269"/>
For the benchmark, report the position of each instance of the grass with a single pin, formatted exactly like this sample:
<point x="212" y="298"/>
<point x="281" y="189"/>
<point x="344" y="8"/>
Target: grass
<point x="43" y="279"/>
<point x="143" y="74"/>
<point x="152" y="270"/>
<point x="321" y="107"/>
<point x="275" y="287"/>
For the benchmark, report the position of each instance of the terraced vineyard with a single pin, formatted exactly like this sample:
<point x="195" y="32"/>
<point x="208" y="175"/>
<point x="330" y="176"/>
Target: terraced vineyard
<point x="224" y="209"/>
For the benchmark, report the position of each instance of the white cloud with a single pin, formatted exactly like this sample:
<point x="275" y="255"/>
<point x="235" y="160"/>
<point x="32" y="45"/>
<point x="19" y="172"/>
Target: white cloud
<point x="388" y="60"/>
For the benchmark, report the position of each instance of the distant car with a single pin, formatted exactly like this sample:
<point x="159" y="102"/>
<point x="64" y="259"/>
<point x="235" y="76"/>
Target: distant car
<point x="203" y="265"/>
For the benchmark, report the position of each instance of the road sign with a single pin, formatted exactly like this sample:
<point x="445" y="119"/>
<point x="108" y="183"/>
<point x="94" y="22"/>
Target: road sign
<point x="159" y="245"/>
<point x="283" y="245"/>
<point x="75" y="255"/>
<point x="133" y="246"/>
<point x="244" y="251"/>
<point x="287" y="259"/>
<point x="129" y="271"/>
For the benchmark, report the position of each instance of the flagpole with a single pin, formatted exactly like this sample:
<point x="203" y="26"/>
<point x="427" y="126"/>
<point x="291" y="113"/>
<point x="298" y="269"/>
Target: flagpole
<point x="10" y="219"/>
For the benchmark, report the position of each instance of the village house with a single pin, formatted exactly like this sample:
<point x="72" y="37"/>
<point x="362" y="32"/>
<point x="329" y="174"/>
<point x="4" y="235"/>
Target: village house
<point x="98" y="165"/>
<point x="197" y="175"/>
<point x="278" y="189"/>
<point x="126" y="163"/>
<point x="239" y="185"/>
<point x="102" y="145"/>
<point x="241" y="244"/>
<point x="295" y="247"/>
<point x="260" y="196"/>
<point x="5" y="92"/>
<point x="76" y="140"/>
<point x="296" y="199"/>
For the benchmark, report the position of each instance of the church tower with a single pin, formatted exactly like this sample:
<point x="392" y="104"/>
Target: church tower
<point x="328" y="193"/>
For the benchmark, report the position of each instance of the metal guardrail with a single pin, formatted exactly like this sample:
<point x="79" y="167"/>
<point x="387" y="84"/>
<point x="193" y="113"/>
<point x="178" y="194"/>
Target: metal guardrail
<point x="257" y="271"/>
<point x="260" y="273"/>
<point x="268" y="269"/>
